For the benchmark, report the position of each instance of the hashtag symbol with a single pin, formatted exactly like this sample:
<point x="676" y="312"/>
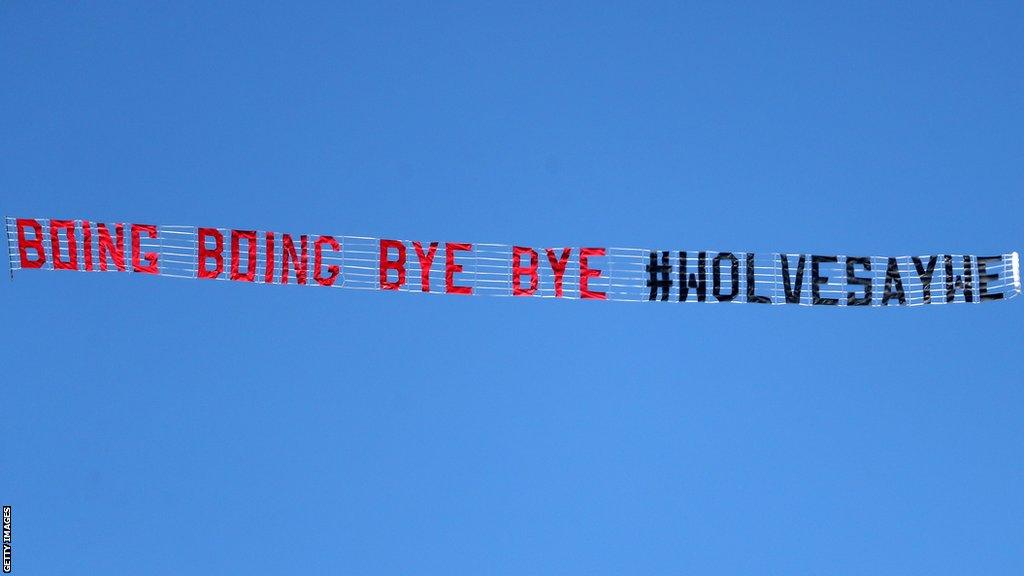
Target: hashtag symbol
<point x="654" y="270"/>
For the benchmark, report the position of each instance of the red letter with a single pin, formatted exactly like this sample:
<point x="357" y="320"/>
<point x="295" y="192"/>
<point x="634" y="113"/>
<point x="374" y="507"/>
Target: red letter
<point x="250" y="265"/>
<point x="386" y="264"/>
<point x="35" y="244"/>
<point x="87" y="241"/>
<point x="586" y="274"/>
<point x="318" y="260"/>
<point x="426" y="260"/>
<point x="69" y="232"/>
<point x="288" y="253"/>
<point x="214" y="253"/>
<point x="150" y="257"/>
<point x="107" y="246"/>
<point x="268" y="274"/>
<point x="451" y="268"/>
<point x="558" y="267"/>
<point x="518" y="271"/>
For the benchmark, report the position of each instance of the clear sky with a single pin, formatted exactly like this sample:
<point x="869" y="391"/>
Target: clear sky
<point x="162" y="426"/>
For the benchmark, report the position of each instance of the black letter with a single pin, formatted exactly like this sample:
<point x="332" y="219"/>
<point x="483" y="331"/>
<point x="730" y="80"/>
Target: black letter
<point x="751" y="297"/>
<point x="926" y="277"/>
<point x="734" y="273"/>
<point x="984" y="279"/>
<point x="853" y="280"/>
<point x="654" y="270"/>
<point x="700" y="282"/>
<point x="817" y="280"/>
<point x="792" y="297"/>
<point x="964" y="283"/>
<point x="892" y="276"/>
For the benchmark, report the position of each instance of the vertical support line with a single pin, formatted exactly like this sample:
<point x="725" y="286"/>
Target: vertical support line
<point x="7" y="240"/>
<point x="1015" y="267"/>
<point x="611" y="273"/>
<point x="775" y="279"/>
<point x="343" y="276"/>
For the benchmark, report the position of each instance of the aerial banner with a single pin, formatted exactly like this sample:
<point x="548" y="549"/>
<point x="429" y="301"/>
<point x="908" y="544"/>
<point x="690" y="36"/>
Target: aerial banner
<point x="519" y="271"/>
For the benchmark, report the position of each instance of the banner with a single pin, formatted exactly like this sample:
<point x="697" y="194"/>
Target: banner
<point x="521" y="271"/>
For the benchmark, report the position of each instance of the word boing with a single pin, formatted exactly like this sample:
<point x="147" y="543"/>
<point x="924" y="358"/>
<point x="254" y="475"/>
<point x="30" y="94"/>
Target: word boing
<point x="463" y="268"/>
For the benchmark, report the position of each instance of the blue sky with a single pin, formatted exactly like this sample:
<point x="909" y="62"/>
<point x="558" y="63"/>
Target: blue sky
<point x="162" y="426"/>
